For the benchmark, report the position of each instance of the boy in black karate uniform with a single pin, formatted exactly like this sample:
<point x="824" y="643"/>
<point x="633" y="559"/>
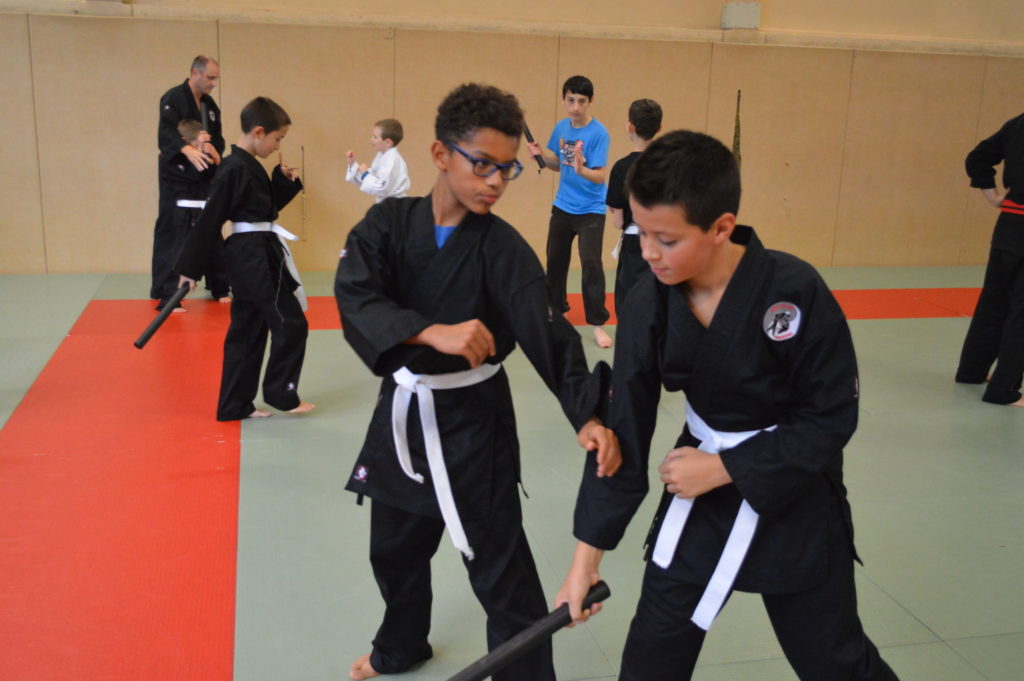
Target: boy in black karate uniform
<point x="183" y="181"/>
<point x="763" y="352"/>
<point x="997" y="328"/>
<point x="266" y="287"/>
<point x="434" y="293"/>
<point x="643" y="124"/>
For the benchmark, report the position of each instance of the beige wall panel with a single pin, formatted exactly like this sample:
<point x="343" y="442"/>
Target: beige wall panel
<point x="1000" y="101"/>
<point x="98" y="83"/>
<point x="431" y="63"/>
<point x="675" y="74"/>
<point x="690" y="14"/>
<point x="903" y="192"/>
<point x="334" y="83"/>
<point x="793" y="118"/>
<point x="21" y="226"/>
<point x="975" y="20"/>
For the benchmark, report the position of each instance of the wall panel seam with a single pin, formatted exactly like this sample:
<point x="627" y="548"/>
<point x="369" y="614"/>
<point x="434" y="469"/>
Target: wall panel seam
<point x="964" y="227"/>
<point x="39" y="158"/>
<point x="842" y="160"/>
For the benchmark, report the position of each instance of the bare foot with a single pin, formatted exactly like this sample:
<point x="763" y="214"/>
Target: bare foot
<point x="1018" y="403"/>
<point x="179" y="310"/>
<point x="302" y="409"/>
<point x="361" y="669"/>
<point x="260" y="414"/>
<point x="224" y="299"/>
<point x="602" y="337"/>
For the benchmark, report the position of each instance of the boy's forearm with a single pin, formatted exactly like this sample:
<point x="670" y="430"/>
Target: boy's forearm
<point x="618" y="217"/>
<point x="595" y="175"/>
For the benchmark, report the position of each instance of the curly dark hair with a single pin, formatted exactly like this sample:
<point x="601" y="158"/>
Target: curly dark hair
<point x="472" y="106"/>
<point x="687" y="169"/>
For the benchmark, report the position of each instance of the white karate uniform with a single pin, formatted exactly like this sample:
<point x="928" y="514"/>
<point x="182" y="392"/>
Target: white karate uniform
<point x="387" y="175"/>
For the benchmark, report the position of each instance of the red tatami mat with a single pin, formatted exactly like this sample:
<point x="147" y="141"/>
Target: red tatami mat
<point x="118" y="506"/>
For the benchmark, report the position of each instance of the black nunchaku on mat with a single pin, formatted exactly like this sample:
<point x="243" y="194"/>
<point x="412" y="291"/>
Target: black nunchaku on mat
<point x="529" y="138"/>
<point x="528" y="638"/>
<point x="169" y="306"/>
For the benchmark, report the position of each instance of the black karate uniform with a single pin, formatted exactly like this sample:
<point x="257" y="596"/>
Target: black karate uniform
<point x="176" y="105"/>
<point x="997" y="328"/>
<point x="631" y="265"/>
<point x="777" y="352"/>
<point x="392" y="283"/>
<point x="264" y="299"/>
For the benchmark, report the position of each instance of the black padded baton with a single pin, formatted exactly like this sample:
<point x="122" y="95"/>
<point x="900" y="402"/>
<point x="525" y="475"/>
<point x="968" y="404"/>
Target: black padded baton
<point x="528" y="638"/>
<point x="160" y="318"/>
<point x="529" y="138"/>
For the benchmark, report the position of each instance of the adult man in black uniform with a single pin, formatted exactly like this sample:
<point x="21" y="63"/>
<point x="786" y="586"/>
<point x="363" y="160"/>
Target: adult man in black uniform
<point x="187" y="100"/>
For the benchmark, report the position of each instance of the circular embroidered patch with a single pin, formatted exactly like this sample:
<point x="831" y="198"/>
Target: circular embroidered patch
<point x="781" y="321"/>
<point x="361" y="474"/>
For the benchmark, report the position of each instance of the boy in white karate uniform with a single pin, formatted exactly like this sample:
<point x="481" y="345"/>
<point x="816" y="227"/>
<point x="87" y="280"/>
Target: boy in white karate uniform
<point x="388" y="174"/>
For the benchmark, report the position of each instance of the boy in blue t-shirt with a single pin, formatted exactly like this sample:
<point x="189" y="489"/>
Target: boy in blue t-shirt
<point x="579" y="152"/>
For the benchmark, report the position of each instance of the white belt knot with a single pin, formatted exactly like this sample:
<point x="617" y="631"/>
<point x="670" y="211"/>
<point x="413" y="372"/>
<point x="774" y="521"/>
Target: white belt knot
<point x="289" y="261"/>
<point x="740" y="537"/>
<point x="423" y="385"/>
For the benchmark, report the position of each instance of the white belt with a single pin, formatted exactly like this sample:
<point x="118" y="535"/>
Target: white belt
<point x="423" y="385"/>
<point x="191" y="203"/>
<point x="738" y="543"/>
<point x="282" y="234"/>
<point x="632" y="229"/>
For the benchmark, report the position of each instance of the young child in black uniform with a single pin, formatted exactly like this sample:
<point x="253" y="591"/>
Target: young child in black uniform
<point x="763" y="352"/>
<point x="643" y="124"/>
<point x="997" y="328"/>
<point x="268" y="295"/>
<point x="188" y="186"/>
<point x="435" y="292"/>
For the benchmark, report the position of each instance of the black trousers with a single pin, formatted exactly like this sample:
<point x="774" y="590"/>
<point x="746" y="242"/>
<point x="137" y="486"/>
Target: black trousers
<point x="503" y="576"/>
<point x="996" y="333"/>
<point x="172" y="226"/>
<point x="244" y="347"/>
<point x="562" y="229"/>
<point x="818" y="629"/>
<point x="631" y="266"/>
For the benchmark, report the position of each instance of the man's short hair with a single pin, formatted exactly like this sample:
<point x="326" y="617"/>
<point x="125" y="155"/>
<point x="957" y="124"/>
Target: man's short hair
<point x="200" y="62"/>
<point x="645" y="115"/>
<point x="687" y="169"/>
<point x="264" y="112"/>
<point x="473" y="106"/>
<point x="189" y="129"/>
<point x="390" y="129"/>
<point x="579" y="85"/>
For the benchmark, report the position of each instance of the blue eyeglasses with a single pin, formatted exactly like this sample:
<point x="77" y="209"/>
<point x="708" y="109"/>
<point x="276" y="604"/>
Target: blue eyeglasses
<point x="483" y="167"/>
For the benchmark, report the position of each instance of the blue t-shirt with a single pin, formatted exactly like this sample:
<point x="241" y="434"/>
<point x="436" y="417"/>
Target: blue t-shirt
<point x="578" y="195"/>
<point x="441" y="234"/>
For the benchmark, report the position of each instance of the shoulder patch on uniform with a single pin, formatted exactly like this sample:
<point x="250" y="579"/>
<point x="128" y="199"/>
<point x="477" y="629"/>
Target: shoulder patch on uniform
<point x="361" y="473"/>
<point x="781" y="321"/>
<point x="213" y="115"/>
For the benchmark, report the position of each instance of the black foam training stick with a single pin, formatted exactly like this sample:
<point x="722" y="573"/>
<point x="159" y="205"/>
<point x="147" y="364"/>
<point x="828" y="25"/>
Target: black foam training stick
<point x="204" y="113"/>
<point x="528" y="638"/>
<point x="529" y="138"/>
<point x="169" y="306"/>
